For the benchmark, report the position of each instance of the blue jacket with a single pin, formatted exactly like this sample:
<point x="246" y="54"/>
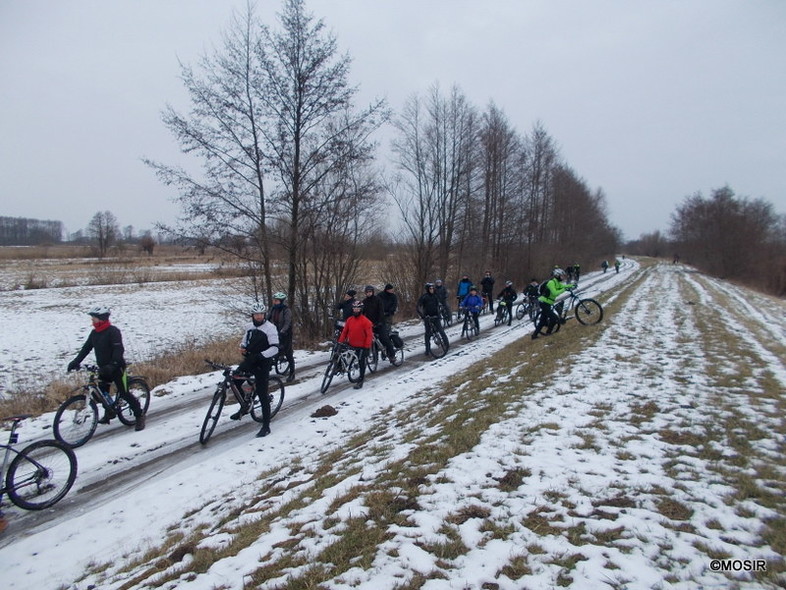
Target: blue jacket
<point x="473" y="303"/>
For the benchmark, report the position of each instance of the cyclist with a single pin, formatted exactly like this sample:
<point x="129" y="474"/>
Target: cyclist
<point x="442" y="295"/>
<point x="617" y="266"/>
<point x="508" y="295"/>
<point x="462" y="290"/>
<point x="605" y="266"/>
<point x="373" y="310"/>
<point x="554" y="287"/>
<point x="345" y="307"/>
<point x="531" y="290"/>
<point x="473" y="303"/>
<point x="428" y="307"/>
<point x="576" y="272"/>
<point x="487" y="287"/>
<point x="259" y="346"/>
<point x="358" y="332"/>
<point x="106" y="341"/>
<point x="389" y="306"/>
<point x="281" y="317"/>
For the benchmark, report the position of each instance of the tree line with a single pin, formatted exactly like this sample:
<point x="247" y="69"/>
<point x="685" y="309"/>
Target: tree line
<point x="290" y="182"/>
<point x="21" y="231"/>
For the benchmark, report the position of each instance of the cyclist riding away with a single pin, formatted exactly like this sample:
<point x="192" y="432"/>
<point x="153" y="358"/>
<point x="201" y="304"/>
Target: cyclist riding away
<point x="473" y="303"/>
<point x="106" y="341"/>
<point x="281" y="317"/>
<point x="428" y="307"/>
<point x="259" y="346"/>
<point x="358" y="333"/>
<point x="554" y="288"/>
<point x="508" y="295"/>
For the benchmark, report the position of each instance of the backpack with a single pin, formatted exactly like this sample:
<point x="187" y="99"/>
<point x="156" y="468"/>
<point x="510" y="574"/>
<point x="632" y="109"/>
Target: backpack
<point x="544" y="290"/>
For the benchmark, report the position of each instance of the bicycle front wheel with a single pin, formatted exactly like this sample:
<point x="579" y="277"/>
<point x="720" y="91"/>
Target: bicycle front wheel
<point x="372" y="358"/>
<point x="588" y="312"/>
<point x="398" y="357"/>
<point x="439" y="346"/>
<point x="353" y="366"/>
<point x="330" y="370"/>
<point x="41" y="474"/>
<point x="275" y="395"/>
<point x="75" y="421"/>
<point x="521" y="311"/>
<point x="213" y="414"/>
<point x="138" y="387"/>
<point x="282" y="364"/>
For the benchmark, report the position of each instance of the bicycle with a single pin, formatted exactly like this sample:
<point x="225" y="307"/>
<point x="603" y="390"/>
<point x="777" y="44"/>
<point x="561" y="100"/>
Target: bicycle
<point x="378" y="351"/>
<point x="447" y="315"/>
<point x="587" y="311"/>
<point x="245" y="395"/>
<point x="41" y="474"/>
<point x="343" y="361"/>
<point x="76" y="419"/>
<point x="469" y="329"/>
<point x="438" y="342"/>
<point x="503" y="312"/>
<point x="528" y="307"/>
<point x="281" y="363"/>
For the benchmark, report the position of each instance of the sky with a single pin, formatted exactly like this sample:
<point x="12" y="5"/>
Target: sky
<point x="648" y="100"/>
<point x="598" y="467"/>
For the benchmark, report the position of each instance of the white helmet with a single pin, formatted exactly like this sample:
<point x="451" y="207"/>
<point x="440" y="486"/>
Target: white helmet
<point x="280" y="296"/>
<point x="258" y="307"/>
<point x="98" y="311"/>
<point x="558" y="272"/>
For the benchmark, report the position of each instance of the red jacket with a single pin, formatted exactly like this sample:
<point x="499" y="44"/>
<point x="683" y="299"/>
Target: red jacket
<point x="357" y="332"/>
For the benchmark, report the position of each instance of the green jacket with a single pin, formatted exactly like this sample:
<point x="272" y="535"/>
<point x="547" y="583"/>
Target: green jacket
<point x="555" y="288"/>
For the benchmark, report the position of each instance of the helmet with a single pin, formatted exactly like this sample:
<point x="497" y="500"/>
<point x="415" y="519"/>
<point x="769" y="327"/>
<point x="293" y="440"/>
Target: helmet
<point x="99" y="311"/>
<point x="473" y="288"/>
<point x="357" y="304"/>
<point x="558" y="272"/>
<point x="258" y="307"/>
<point x="429" y="286"/>
<point x="438" y="281"/>
<point x="508" y="283"/>
<point x="280" y="296"/>
<point x="369" y="288"/>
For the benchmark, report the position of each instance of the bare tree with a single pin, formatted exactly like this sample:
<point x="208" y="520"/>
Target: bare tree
<point x="104" y="231"/>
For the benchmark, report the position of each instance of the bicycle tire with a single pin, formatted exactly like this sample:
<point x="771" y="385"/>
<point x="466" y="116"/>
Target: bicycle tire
<point x="275" y="394"/>
<point x="372" y="358"/>
<point x="139" y="388"/>
<point x="41" y="474"/>
<point x="282" y="364"/>
<point x="76" y="421"/>
<point x="534" y="311"/>
<point x="398" y="358"/>
<point x="330" y="370"/>
<point x="353" y="367"/>
<point x="521" y="311"/>
<point x="588" y="312"/>
<point x="439" y="346"/>
<point x="213" y="414"/>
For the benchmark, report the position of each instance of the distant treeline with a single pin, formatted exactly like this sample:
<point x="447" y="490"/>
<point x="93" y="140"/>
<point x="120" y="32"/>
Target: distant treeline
<point x="20" y="231"/>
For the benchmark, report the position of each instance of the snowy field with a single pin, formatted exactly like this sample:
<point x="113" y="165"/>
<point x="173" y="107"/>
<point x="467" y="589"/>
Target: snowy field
<point x="595" y="480"/>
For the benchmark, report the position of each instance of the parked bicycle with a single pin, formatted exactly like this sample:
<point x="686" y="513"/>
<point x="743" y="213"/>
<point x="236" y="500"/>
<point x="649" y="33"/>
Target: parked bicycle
<point x="587" y="311"/>
<point x="438" y="345"/>
<point x="40" y="474"/>
<point x="378" y="351"/>
<point x="529" y="307"/>
<point x="343" y="361"/>
<point x="76" y="419"/>
<point x="469" y="328"/>
<point x="244" y="394"/>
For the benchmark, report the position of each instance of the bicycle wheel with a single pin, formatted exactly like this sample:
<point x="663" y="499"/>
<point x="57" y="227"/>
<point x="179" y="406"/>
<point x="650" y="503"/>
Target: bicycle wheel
<point x="282" y="364"/>
<point x="75" y="421"/>
<point x="398" y="358"/>
<point x="521" y="311"/>
<point x="439" y="346"/>
<point x="213" y="413"/>
<point x="330" y="370"/>
<point x="500" y="317"/>
<point x="588" y="312"/>
<point x="534" y="311"/>
<point x="41" y="474"/>
<point x="475" y="331"/>
<point x="275" y="395"/>
<point x="138" y="387"/>
<point x="372" y="358"/>
<point x="353" y="365"/>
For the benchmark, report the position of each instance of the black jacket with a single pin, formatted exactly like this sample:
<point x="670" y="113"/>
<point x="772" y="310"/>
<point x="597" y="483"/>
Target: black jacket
<point x="108" y="347"/>
<point x="389" y="303"/>
<point x="428" y="305"/>
<point x="372" y="309"/>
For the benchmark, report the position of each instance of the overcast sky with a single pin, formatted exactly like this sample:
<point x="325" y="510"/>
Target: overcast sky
<point x="650" y="100"/>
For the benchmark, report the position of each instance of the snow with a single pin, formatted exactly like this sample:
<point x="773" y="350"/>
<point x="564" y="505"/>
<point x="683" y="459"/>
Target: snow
<point x="578" y="446"/>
